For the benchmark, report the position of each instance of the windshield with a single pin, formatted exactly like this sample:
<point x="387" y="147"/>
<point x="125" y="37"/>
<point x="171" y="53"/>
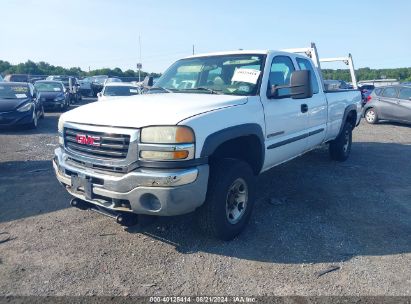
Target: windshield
<point x="49" y="87"/>
<point x="120" y="91"/>
<point x="226" y="74"/>
<point x="13" y="91"/>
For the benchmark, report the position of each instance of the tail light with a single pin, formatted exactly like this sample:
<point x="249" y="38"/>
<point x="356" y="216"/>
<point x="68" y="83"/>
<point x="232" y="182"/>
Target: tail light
<point x="369" y="98"/>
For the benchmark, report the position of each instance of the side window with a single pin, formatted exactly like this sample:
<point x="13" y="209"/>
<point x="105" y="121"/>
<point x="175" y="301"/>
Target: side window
<point x="378" y="92"/>
<point x="305" y="64"/>
<point x="405" y="93"/>
<point x="390" y="93"/>
<point x="280" y="73"/>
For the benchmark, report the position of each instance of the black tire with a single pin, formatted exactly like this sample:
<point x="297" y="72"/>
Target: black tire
<point x="65" y="106"/>
<point x="34" y="123"/>
<point x="42" y="112"/>
<point x="371" y="116"/>
<point x="340" y="147"/>
<point x="213" y="216"/>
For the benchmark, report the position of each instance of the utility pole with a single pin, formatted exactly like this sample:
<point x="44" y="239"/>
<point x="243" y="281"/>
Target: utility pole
<point x="193" y="49"/>
<point x="139" y="65"/>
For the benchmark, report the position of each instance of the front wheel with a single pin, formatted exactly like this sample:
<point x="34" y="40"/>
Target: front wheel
<point x="34" y="121"/>
<point x="340" y="147"/>
<point x="42" y="112"/>
<point x="229" y="201"/>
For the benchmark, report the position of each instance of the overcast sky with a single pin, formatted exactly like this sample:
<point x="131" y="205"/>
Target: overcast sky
<point x="104" y="33"/>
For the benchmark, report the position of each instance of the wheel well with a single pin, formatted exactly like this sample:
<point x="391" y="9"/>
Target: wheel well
<point x="352" y="118"/>
<point x="246" y="148"/>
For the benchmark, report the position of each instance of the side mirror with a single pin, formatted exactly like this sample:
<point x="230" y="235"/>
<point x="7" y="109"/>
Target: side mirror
<point x="301" y="85"/>
<point x="148" y="81"/>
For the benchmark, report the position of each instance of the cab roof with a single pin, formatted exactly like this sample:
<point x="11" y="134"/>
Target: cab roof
<point x="238" y="52"/>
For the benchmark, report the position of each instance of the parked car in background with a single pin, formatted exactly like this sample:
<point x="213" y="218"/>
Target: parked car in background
<point x="97" y="84"/>
<point x="115" y="90"/>
<point x="71" y="84"/>
<point x="85" y="86"/>
<point x="19" y="105"/>
<point x="33" y="79"/>
<point x="52" y="94"/>
<point x="17" y="78"/>
<point x="332" y="85"/>
<point x="112" y="79"/>
<point x="366" y="91"/>
<point x="389" y="103"/>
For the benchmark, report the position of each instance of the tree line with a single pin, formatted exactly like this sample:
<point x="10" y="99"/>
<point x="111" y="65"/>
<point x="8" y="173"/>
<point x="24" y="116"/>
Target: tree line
<point x="401" y="74"/>
<point x="44" y="68"/>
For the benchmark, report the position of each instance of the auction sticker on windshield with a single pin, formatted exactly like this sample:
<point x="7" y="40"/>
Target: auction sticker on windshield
<point x="246" y="75"/>
<point x="21" y="95"/>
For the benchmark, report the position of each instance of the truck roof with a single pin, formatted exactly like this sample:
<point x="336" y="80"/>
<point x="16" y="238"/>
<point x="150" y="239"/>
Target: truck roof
<point x="237" y="52"/>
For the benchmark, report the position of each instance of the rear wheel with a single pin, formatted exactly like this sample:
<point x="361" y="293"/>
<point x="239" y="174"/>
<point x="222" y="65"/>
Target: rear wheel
<point x="371" y="116"/>
<point x="230" y="199"/>
<point x="340" y="147"/>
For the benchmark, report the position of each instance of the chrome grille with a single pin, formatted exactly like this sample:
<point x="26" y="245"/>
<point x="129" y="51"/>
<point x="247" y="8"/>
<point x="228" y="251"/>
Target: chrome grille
<point x="110" y="146"/>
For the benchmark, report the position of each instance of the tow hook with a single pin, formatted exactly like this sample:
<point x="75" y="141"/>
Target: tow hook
<point x="127" y="219"/>
<point x="82" y="205"/>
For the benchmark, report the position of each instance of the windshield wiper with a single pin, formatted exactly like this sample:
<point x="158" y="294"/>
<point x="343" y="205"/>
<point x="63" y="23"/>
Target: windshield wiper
<point x="212" y="91"/>
<point x="161" y="88"/>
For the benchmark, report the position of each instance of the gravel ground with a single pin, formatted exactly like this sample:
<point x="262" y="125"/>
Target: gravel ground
<point x="311" y="215"/>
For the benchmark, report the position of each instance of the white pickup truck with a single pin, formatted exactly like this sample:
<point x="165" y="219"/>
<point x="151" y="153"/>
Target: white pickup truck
<point x="199" y="137"/>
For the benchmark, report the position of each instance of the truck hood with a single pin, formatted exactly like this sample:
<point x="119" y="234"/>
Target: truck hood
<point x="149" y="109"/>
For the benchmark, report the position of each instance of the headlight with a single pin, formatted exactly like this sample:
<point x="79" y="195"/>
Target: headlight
<point x="167" y="135"/>
<point x="165" y="143"/>
<point x="25" y="108"/>
<point x="60" y="125"/>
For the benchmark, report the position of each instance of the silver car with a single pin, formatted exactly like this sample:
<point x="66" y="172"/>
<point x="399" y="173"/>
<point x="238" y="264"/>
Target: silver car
<point x="389" y="103"/>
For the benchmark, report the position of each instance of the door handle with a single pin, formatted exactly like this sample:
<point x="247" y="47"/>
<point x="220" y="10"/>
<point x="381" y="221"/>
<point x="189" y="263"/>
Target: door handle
<point x="304" y="108"/>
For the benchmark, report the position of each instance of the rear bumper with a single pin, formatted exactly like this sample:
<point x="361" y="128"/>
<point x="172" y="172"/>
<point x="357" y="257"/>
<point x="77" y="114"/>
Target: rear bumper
<point x="142" y="191"/>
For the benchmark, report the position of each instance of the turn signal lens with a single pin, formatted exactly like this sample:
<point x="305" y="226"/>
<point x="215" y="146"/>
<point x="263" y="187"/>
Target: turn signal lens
<point x="160" y="155"/>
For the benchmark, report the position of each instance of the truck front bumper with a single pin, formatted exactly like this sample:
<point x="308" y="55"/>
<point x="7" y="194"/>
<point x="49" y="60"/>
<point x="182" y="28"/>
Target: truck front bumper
<point x="163" y="192"/>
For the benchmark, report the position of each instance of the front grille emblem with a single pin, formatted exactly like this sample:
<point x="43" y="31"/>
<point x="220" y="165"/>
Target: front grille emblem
<point x="88" y="140"/>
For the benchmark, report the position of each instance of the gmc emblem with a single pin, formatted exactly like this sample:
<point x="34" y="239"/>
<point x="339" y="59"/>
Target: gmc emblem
<point x="84" y="139"/>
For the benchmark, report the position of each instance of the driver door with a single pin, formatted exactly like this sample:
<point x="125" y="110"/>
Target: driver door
<point x="286" y="119"/>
